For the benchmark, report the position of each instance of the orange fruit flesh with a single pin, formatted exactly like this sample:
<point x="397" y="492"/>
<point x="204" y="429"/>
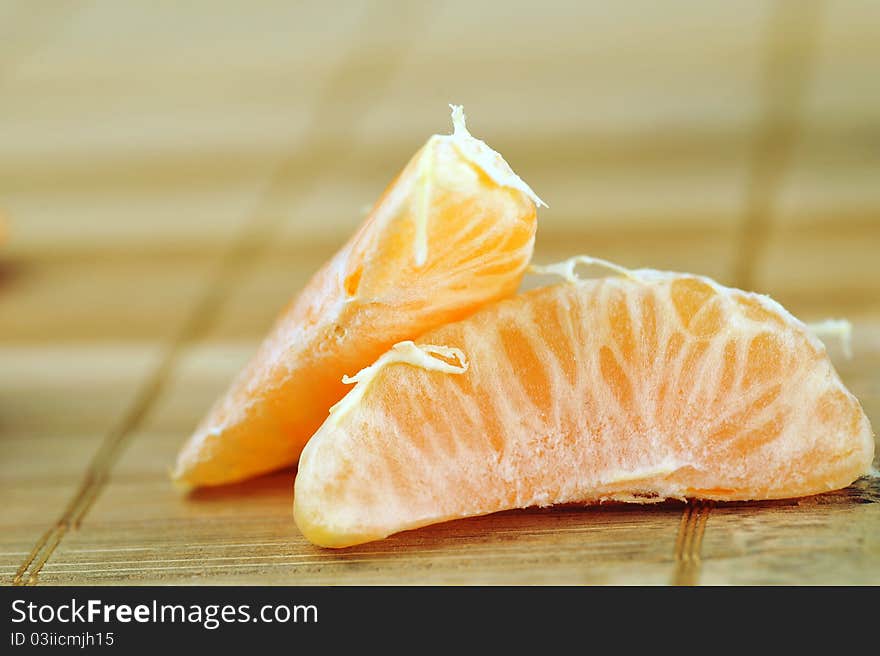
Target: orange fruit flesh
<point x="637" y="389"/>
<point x="453" y="232"/>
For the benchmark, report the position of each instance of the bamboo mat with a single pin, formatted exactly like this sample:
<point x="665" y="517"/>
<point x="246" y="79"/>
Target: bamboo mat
<point x="172" y="173"/>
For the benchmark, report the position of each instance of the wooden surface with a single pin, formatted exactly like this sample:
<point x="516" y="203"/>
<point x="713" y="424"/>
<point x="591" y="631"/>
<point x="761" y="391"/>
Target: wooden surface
<point x="171" y="173"/>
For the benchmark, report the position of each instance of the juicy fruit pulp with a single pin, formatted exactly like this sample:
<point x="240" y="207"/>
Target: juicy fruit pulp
<point x="453" y="232"/>
<point x="639" y="388"/>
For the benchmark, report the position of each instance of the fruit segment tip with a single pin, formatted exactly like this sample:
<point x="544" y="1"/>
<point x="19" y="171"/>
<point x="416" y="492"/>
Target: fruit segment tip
<point x="487" y="159"/>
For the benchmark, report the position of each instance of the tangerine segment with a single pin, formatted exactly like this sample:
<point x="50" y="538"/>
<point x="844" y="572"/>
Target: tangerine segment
<point x="453" y="232"/>
<point x="653" y="386"/>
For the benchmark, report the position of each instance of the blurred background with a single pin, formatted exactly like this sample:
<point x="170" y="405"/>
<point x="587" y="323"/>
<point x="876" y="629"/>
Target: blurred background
<point x="172" y="172"/>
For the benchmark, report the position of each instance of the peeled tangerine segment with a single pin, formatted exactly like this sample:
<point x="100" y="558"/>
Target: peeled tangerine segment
<point x="639" y="388"/>
<point x="453" y="232"/>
